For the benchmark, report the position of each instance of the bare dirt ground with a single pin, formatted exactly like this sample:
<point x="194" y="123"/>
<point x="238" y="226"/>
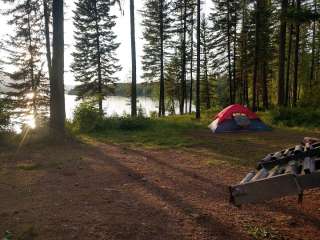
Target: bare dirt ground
<point x="104" y="191"/>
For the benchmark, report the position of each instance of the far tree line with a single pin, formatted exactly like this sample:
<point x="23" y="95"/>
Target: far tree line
<point x="263" y="54"/>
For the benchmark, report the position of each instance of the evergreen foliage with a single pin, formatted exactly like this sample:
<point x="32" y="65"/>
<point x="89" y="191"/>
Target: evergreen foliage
<point x="95" y="63"/>
<point x="4" y="114"/>
<point x="225" y="17"/>
<point x="206" y="88"/>
<point x="157" y="25"/>
<point x="28" y="86"/>
<point x="265" y="54"/>
<point x="173" y="75"/>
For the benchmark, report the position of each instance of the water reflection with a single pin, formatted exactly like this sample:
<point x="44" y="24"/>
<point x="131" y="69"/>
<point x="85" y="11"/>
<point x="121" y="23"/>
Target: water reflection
<point x="119" y="106"/>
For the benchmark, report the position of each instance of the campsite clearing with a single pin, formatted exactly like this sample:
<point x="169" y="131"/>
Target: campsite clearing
<point x="96" y="190"/>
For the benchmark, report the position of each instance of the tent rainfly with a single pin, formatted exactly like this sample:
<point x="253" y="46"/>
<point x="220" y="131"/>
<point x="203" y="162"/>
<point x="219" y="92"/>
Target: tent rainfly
<point x="237" y="118"/>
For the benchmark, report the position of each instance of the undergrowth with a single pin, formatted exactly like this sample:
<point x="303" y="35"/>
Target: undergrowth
<point x="303" y="118"/>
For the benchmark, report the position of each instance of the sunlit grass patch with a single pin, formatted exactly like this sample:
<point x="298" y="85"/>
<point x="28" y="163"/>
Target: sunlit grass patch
<point x="215" y="162"/>
<point x="28" y="166"/>
<point x="245" y="148"/>
<point x="161" y="132"/>
<point x="263" y="233"/>
<point x="188" y="133"/>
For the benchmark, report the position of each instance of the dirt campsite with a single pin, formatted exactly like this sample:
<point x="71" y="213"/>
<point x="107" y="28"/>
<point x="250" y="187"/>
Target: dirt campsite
<point x="90" y="189"/>
<point x="159" y="120"/>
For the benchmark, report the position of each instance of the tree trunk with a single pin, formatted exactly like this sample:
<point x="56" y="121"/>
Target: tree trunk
<point x="207" y="84"/>
<point x="313" y="47"/>
<point x="244" y="56"/>
<point x="296" y="61"/>
<point x="229" y="53"/>
<point x="317" y="61"/>
<point x="57" y="100"/>
<point x="46" y="15"/>
<point x="134" y="61"/>
<point x="256" y="57"/>
<point x="32" y="74"/>
<point x="282" y="52"/>
<point x="265" y="86"/>
<point x="183" y="62"/>
<point x="100" y="97"/>
<point x="198" y="114"/>
<point x="191" y="62"/>
<point x="161" y="101"/>
<point x="287" y="91"/>
<point x="186" y="99"/>
<point x="234" y="94"/>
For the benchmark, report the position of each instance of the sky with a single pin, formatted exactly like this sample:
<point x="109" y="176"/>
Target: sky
<point x="122" y="30"/>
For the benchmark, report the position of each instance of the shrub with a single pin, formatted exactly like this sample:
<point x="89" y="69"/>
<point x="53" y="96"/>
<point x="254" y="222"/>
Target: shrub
<point x="4" y="115"/>
<point x="296" y="117"/>
<point x="87" y="117"/>
<point x="130" y="124"/>
<point x="154" y="114"/>
<point x="141" y="112"/>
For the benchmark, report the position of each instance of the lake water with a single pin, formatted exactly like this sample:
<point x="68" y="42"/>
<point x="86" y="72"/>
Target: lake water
<point x="118" y="105"/>
<point x="112" y="106"/>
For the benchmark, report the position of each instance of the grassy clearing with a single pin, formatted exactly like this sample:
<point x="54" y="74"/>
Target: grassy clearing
<point x="179" y="132"/>
<point x="193" y="136"/>
<point x="183" y="132"/>
<point x="167" y="132"/>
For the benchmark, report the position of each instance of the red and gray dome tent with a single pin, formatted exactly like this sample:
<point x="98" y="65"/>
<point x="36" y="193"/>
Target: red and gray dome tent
<point x="237" y="118"/>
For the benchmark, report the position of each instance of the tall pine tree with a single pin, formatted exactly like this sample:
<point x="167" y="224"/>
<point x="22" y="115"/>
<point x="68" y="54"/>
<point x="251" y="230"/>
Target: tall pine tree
<point x="206" y="88"/>
<point x="95" y="62"/>
<point x="156" y="23"/>
<point x="198" y="107"/>
<point x="29" y="86"/>
<point x="225" y="19"/>
<point x="133" y="61"/>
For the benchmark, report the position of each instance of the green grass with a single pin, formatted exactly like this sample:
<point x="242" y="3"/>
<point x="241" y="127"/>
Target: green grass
<point x="28" y="166"/>
<point x="214" y="162"/>
<point x="160" y="132"/>
<point x="7" y="139"/>
<point x="262" y="233"/>
<point x="184" y="132"/>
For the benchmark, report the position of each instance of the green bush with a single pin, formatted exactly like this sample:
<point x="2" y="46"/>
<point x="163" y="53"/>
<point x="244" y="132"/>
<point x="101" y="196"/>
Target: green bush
<point x="130" y="124"/>
<point x="87" y="117"/>
<point x="125" y="123"/>
<point x="296" y="117"/>
<point x="4" y="115"/>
